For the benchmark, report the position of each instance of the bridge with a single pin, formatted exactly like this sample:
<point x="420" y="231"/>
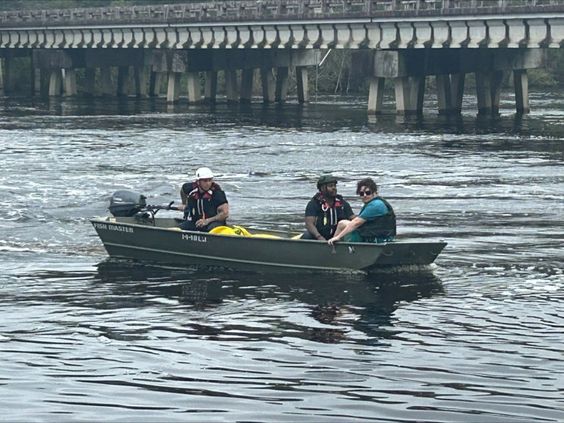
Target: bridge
<point x="402" y="40"/>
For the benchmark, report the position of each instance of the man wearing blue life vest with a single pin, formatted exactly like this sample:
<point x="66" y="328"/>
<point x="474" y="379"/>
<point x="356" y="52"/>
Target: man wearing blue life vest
<point x="204" y="203"/>
<point x="325" y="210"/>
<point x="376" y="221"/>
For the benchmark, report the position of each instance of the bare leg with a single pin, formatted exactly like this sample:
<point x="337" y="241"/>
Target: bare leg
<point x="341" y="226"/>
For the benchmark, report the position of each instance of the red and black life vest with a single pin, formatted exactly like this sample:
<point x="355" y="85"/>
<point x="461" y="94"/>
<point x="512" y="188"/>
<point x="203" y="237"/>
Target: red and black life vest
<point x="200" y="204"/>
<point x="329" y="215"/>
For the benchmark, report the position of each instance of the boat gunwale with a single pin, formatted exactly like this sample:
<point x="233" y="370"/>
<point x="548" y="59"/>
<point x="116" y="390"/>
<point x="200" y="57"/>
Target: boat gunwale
<point x="314" y="241"/>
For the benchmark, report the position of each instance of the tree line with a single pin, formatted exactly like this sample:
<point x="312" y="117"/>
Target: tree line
<point x="71" y="4"/>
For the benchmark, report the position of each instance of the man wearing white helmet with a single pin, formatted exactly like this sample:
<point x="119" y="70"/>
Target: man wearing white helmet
<point x="204" y="203"/>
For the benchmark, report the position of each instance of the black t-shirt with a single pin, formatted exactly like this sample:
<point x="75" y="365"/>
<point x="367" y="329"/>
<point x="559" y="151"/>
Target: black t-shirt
<point x="328" y="217"/>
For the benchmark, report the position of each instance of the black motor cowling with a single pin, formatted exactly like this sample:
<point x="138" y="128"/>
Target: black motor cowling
<point x="126" y="203"/>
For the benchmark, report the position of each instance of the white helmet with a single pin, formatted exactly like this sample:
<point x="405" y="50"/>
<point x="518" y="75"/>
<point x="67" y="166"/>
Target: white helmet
<point x="204" y="173"/>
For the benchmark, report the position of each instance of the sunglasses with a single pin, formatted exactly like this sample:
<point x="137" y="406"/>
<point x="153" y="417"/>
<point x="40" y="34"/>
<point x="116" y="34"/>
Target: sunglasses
<point x="363" y="193"/>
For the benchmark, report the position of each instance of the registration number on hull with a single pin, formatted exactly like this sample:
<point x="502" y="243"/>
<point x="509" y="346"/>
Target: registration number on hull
<point x="194" y="238"/>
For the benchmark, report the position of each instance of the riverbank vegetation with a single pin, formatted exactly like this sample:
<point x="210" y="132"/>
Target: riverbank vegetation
<point x="70" y="4"/>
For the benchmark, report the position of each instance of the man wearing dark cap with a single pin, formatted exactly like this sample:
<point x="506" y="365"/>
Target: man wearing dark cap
<point x="325" y="210"/>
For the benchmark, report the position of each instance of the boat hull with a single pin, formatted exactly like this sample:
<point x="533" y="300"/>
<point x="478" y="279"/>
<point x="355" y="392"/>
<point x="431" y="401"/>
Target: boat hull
<point x="160" y="240"/>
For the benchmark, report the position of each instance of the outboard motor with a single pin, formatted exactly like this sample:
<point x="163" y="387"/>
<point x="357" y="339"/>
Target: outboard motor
<point x="126" y="203"/>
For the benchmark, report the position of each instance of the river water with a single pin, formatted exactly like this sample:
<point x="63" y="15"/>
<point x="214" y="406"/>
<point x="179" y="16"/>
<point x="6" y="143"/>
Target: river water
<point x="477" y="337"/>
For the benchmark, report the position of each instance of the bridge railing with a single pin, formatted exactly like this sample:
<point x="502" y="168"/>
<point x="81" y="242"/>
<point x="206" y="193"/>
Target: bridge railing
<point x="268" y="10"/>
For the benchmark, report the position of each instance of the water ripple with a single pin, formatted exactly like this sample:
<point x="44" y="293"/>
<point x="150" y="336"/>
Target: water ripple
<point x="476" y="337"/>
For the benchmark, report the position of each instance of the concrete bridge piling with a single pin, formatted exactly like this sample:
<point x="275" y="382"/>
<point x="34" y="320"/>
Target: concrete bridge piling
<point x="190" y="48"/>
<point x="142" y="73"/>
<point x="410" y="68"/>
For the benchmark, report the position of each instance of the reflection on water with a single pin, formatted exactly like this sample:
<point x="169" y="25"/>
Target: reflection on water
<point x="350" y="114"/>
<point x="355" y="345"/>
<point x="365" y="302"/>
<point x="477" y="337"/>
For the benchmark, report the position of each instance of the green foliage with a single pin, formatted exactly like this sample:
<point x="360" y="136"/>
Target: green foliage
<point x="336" y="75"/>
<point x="41" y="4"/>
<point x="21" y="75"/>
<point x="555" y="64"/>
<point x="542" y="78"/>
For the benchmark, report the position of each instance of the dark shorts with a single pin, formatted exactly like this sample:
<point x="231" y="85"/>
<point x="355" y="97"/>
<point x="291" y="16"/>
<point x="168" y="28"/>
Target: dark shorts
<point x="188" y="225"/>
<point x="308" y="235"/>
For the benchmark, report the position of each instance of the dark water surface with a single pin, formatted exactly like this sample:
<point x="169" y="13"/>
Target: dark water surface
<point x="478" y="337"/>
